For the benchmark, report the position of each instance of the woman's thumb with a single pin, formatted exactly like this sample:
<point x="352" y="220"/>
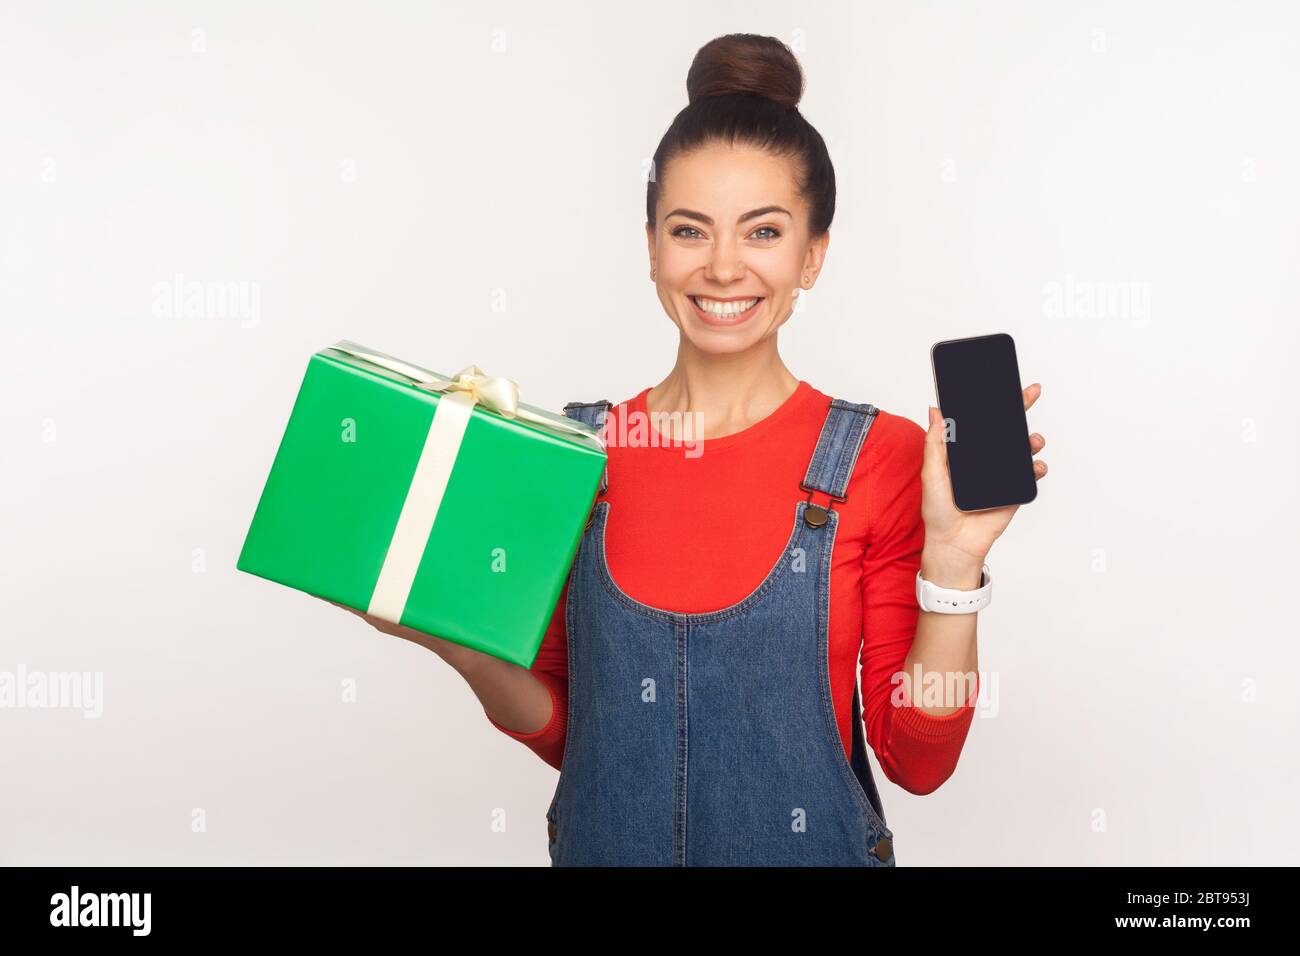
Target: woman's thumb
<point x="936" y="454"/>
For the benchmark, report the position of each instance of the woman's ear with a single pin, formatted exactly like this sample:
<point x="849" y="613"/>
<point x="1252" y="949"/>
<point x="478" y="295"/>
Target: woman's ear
<point x="812" y="263"/>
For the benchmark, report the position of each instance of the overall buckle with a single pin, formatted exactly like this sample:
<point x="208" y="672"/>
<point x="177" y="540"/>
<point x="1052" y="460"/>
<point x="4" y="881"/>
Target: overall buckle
<point x="816" y="516"/>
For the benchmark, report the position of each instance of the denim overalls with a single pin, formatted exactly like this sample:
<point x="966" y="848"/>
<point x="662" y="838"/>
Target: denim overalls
<point x="710" y="739"/>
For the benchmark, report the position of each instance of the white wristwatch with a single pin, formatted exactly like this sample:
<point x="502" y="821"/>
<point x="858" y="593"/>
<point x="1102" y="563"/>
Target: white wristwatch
<point x="931" y="597"/>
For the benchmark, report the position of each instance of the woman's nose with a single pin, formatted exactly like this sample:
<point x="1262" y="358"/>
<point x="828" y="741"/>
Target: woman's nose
<point x="725" y="265"/>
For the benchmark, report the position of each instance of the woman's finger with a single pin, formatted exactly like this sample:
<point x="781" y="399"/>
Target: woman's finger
<point x="1036" y="443"/>
<point x="1031" y="394"/>
<point x="1040" y="468"/>
<point x="935" y="462"/>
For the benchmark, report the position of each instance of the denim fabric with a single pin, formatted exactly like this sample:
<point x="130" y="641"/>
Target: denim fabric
<point x="710" y="739"/>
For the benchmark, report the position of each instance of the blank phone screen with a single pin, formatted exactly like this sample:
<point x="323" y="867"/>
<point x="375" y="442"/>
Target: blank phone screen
<point x="979" y="393"/>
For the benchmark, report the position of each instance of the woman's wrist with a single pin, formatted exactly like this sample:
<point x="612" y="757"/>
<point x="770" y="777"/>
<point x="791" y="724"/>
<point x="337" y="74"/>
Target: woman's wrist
<point x="948" y="567"/>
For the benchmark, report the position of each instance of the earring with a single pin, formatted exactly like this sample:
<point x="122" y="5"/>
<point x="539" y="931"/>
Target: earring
<point x="652" y="273"/>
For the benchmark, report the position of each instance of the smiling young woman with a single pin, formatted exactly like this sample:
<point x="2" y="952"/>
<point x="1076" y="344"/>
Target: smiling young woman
<point x="698" y="685"/>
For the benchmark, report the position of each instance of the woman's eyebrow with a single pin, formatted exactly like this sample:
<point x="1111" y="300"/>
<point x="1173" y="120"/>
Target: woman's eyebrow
<point x="708" y="220"/>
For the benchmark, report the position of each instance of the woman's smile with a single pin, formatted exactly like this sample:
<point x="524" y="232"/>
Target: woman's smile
<point x="724" y="313"/>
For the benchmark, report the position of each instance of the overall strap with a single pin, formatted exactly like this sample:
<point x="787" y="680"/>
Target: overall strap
<point x="858" y="757"/>
<point x="843" y="433"/>
<point x="593" y="414"/>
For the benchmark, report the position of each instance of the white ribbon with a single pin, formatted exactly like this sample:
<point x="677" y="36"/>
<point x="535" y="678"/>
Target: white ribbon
<point x="451" y="417"/>
<point x="423" y="499"/>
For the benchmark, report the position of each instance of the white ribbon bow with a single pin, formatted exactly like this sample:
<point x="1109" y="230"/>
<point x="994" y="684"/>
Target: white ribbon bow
<point x="500" y="395"/>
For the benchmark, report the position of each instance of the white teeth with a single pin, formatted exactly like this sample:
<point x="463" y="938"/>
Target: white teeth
<point x="723" y="308"/>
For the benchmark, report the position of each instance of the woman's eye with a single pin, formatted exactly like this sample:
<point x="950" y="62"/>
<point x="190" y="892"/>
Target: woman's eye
<point x="775" y="234"/>
<point x="678" y="231"/>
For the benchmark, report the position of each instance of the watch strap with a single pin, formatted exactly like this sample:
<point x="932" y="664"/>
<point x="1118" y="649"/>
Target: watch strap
<point x="931" y="597"/>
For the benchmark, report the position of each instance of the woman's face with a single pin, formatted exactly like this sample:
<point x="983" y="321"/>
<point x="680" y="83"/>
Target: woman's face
<point x="731" y="246"/>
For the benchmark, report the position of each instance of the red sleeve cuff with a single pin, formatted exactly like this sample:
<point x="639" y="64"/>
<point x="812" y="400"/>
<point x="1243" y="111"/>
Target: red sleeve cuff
<point x="929" y="728"/>
<point x="553" y="731"/>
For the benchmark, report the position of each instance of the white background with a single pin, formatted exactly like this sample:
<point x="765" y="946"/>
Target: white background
<point x="458" y="183"/>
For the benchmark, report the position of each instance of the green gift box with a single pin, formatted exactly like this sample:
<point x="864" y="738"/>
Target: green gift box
<point x="443" y="504"/>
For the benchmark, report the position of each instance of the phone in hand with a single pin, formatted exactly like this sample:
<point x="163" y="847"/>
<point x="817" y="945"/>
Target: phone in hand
<point x="977" y="384"/>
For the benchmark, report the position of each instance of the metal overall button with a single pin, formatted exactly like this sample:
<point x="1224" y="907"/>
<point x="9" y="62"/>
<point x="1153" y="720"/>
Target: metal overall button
<point x="883" y="848"/>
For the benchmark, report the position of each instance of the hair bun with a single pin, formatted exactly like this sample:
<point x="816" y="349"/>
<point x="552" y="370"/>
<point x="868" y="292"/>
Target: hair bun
<point x="746" y="63"/>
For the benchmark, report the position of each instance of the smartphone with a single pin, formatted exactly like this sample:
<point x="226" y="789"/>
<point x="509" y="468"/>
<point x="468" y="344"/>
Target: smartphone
<point x="977" y="384"/>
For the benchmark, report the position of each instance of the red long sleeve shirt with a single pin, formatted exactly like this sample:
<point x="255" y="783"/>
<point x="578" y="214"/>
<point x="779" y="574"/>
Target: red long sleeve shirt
<point x="661" y="553"/>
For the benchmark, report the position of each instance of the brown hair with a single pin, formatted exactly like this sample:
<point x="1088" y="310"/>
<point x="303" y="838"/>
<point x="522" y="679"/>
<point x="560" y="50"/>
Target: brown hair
<point x="745" y="88"/>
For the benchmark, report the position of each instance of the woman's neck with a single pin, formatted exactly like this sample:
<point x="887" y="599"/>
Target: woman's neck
<point x="724" y="393"/>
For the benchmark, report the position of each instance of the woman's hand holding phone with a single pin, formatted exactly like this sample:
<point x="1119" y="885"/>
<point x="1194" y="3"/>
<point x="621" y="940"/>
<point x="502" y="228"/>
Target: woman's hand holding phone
<point x="958" y="542"/>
